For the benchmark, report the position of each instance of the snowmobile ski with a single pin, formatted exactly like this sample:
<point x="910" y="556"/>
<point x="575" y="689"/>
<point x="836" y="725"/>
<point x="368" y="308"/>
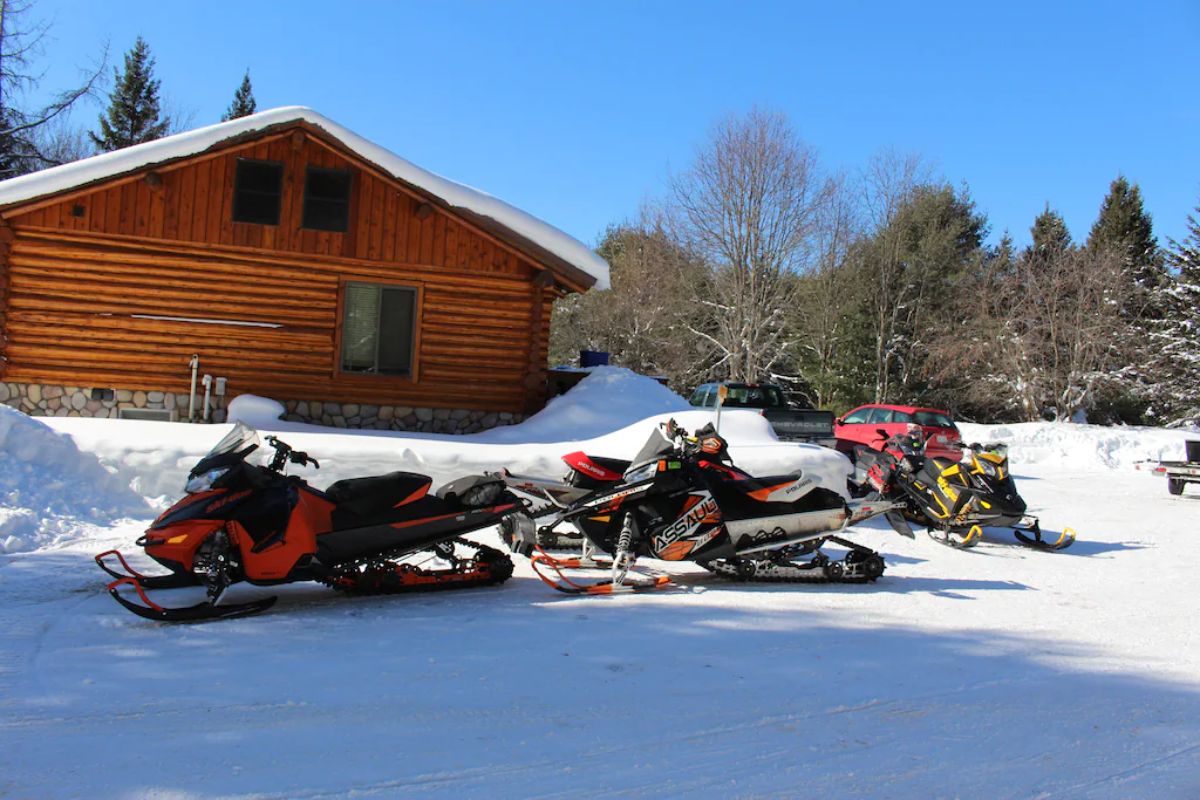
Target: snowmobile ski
<point x="1064" y="540"/>
<point x="200" y="612"/>
<point x="633" y="579"/>
<point x="954" y="537"/>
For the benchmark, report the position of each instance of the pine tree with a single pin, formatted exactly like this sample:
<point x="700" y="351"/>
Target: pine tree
<point x="1175" y="338"/>
<point x="243" y="104"/>
<point x="1123" y="230"/>
<point x="1050" y="235"/>
<point x="1185" y="256"/>
<point x="133" y="114"/>
<point x="1124" y="225"/>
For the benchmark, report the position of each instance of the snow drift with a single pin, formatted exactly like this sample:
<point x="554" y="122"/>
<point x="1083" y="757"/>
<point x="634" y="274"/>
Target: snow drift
<point x="1075" y="446"/>
<point x="48" y="488"/>
<point x="609" y="413"/>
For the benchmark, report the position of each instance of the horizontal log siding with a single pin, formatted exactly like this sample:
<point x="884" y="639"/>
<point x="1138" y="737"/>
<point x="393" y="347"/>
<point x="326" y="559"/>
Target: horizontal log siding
<point x="72" y="294"/>
<point x="192" y="202"/>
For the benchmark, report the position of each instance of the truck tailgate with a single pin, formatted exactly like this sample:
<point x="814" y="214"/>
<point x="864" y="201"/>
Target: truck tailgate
<point x="806" y="425"/>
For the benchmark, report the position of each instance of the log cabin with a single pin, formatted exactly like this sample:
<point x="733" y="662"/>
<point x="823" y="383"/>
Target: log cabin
<point x="280" y="255"/>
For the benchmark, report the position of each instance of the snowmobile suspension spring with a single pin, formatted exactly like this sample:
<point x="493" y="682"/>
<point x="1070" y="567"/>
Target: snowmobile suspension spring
<point x="625" y="541"/>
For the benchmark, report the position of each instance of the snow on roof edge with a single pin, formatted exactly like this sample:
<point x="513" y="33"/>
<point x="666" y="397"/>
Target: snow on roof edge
<point x="130" y="159"/>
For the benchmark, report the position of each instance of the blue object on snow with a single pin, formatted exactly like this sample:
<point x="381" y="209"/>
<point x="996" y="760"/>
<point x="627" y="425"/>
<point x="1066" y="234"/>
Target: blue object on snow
<point x="593" y="358"/>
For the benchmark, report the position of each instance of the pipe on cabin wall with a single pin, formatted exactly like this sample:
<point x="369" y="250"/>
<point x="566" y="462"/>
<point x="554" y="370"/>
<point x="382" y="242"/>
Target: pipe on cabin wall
<point x="207" y="393"/>
<point x="195" y="365"/>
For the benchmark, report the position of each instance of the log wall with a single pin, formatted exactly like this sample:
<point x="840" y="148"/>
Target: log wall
<point x="118" y="286"/>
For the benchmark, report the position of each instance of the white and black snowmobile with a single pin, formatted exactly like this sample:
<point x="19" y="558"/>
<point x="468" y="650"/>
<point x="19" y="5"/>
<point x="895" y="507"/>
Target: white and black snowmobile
<point x="681" y="500"/>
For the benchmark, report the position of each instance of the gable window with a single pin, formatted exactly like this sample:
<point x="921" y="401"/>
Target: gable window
<point x="327" y="199"/>
<point x="257" y="189"/>
<point x="378" y="324"/>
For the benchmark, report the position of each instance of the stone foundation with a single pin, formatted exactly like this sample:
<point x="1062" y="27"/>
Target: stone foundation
<point x="43" y="400"/>
<point x="40" y="400"/>
<point x="396" y="418"/>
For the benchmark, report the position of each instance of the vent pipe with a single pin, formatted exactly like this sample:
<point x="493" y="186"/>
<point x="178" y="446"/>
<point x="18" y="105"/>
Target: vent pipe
<point x="195" y="365"/>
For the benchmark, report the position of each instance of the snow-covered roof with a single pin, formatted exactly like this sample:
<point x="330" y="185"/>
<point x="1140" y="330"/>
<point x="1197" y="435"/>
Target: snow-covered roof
<point x="130" y="159"/>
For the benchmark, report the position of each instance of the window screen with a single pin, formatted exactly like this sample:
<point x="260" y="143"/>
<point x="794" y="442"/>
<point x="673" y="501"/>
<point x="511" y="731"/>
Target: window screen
<point x="377" y="329"/>
<point x="258" y="186"/>
<point x="327" y="199"/>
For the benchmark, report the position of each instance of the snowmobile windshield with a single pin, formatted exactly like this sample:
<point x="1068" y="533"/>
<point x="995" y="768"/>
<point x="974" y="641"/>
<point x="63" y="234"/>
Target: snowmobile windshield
<point x="241" y="440"/>
<point x="241" y="437"/>
<point x="657" y="445"/>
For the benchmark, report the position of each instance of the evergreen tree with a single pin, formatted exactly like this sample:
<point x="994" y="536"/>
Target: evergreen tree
<point x="1124" y="226"/>
<point x="133" y="114"/>
<point x="1185" y="256"/>
<point x="1175" y="338"/>
<point x="1050" y="235"/>
<point x="243" y="104"/>
<point x="908" y="269"/>
<point x="1124" y="230"/>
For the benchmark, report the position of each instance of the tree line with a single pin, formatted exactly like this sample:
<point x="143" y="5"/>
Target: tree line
<point x="879" y="286"/>
<point x="760" y="265"/>
<point x="34" y="137"/>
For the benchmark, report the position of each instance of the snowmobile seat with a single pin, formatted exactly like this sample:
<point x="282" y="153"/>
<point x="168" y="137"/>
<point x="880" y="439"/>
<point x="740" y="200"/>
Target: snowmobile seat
<point x="761" y="482"/>
<point x="365" y="497"/>
<point x="472" y="491"/>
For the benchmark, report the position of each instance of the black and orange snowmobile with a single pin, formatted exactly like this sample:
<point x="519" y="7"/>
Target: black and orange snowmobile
<point x="242" y="522"/>
<point x="681" y="499"/>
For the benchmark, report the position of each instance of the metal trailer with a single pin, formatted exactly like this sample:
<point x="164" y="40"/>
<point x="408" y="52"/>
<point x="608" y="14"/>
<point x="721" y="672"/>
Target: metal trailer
<point x="1181" y="473"/>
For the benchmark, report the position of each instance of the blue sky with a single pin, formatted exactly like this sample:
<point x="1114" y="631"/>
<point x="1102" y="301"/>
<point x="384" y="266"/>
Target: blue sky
<point x="577" y="112"/>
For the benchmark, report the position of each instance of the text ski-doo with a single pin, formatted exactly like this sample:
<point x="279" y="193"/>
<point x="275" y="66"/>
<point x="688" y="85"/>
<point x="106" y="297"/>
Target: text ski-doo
<point x="242" y="522"/>
<point x="955" y="501"/>
<point x="679" y="500"/>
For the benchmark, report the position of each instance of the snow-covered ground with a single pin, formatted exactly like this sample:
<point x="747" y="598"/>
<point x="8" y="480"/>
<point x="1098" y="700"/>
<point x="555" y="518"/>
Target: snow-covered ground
<point x="997" y="672"/>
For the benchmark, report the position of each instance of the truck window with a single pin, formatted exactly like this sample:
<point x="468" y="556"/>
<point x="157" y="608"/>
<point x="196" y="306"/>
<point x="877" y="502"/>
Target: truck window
<point x="698" y="396"/>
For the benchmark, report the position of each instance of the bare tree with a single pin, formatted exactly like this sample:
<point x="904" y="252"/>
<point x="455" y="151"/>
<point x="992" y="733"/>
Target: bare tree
<point x="887" y="182"/>
<point x="826" y="295"/>
<point x="22" y="139"/>
<point x="1046" y="332"/>
<point x="644" y="321"/>
<point x="749" y="207"/>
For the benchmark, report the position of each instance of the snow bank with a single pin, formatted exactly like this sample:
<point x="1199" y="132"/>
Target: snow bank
<point x="48" y="488"/>
<point x="606" y="400"/>
<point x="255" y="411"/>
<point x="1082" y="446"/>
<point x="610" y="413"/>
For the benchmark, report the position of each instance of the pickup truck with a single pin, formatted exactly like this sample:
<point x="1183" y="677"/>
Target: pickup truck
<point x="791" y="423"/>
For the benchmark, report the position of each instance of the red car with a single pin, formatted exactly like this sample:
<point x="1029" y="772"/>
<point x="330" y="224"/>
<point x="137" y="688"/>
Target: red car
<point x="862" y="426"/>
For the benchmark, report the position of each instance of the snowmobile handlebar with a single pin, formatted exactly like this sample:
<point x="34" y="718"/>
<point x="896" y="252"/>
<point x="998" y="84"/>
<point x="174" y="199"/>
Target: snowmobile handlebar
<point x="284" y="453"/>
